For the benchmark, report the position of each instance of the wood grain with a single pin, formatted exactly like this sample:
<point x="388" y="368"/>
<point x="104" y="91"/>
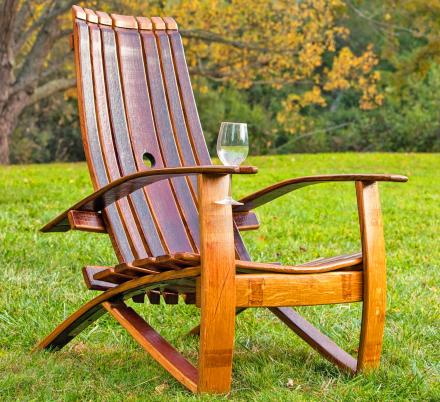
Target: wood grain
<point x="276" y="190"/>
<point x="246" y="221"/>
<point x="170" y="23"/>
<point x="144" y="23"/>
<point x="318" y="341"/>
<point x="78" y="12"/>
<point x="168" y="357"/>
<point x="91" y="140"/>
<point x="373" y="248"/>
<point x="104" y="18"/>
<point x="138" y="244"/>
<point x="124" y="21"/>
<point x="126" y="185"/>
<point x="276" y="290"/>
<point x="166" y="136"/>
<point x="91" y="282"/>
<point x="144" y="138"/>
<point x="91" y="311"/>
<point x="142" y="212"/>
<point x="86" y="221"/>
<point x="217" y="290"/>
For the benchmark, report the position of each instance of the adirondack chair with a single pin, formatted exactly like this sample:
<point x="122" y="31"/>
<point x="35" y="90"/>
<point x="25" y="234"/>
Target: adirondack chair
<point x="155" y="193"/>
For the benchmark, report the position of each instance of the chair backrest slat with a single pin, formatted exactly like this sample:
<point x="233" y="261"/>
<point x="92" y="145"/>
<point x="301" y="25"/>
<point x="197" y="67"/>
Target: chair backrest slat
<point x="188" y="101"/>
<point x="166" y="136"/>
<point x="92" y="146"/>
<point x="143" y="134"/>
<point x="108" y="150"/>
<point x="136" y="100"/>
<point x="121" y="137"/>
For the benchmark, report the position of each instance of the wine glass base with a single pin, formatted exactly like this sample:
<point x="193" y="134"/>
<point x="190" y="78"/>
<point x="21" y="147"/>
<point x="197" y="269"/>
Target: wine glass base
<point x="228" y="201"/>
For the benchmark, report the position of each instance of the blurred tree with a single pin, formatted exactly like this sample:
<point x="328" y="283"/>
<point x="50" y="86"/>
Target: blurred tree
<point x="298" y="48"/>
<point x="29" y="70"/>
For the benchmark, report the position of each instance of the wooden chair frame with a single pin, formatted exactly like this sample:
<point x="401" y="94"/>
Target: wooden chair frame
<point x="224" y="285"/>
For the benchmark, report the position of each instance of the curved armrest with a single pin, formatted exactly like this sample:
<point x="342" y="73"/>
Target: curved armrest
<point x="126" y="185"/>
<point x="276" y="190"/>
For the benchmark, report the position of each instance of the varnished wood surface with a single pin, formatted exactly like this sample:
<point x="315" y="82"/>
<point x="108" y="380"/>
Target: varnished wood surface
<point x="179" y="260"/>
<point x="318" y="341"/>
<point x="142" y="135"/>
<point x="279" y="290"/>
<point x="86" y="221"/>
<point x="126" y="185"/>
<point x="91" y="282"/>
<point x="124" y="21"/>
<point x="91" y="136"/>
<point x="135" y="96"/>
<point x="92" y="310"/>
<point x="373" y="248"/>
<point x="138" y="244"/>
<point x="246" y="221"/>
<point x="276" y="190"/>
<point x="217" y="286"/>
<point x="154" y="344"/>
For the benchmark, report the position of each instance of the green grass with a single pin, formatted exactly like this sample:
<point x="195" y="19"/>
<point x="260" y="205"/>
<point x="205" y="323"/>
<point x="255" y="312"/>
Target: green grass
<point x="41" y="283"/>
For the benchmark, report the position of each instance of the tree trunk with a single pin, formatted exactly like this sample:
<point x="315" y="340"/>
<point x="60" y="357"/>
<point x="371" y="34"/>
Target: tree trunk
<point x="9" y="114"/>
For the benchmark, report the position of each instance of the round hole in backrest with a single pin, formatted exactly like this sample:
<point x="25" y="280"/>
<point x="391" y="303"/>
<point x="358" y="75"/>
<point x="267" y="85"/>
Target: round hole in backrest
<point x="148" y="160"/>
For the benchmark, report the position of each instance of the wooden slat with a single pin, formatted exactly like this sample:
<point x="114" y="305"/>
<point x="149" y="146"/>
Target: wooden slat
<point x="169" y="358"/>
<point x="144" y="23"/>
<point x="142" y="212"/>
<point x="78" y="12"/>
<point x="89" y="131"/>
<point x="318" y="341"/>
<point x="275" y="290"/>
<point x="91" y="16"/>
<point x="246" y="221"/>
<point x="137" y="243"/>
<point x="126" y="185"/>
<point x="276" y="190"/>
<point x="158" y="23"/>
<point x="86" y="221"/>
<point x="375" y="287"/>
<point x="91" y="282"/>
<point x="124" y="21"/>
<point x="170" y="23"/>
<point x="187" y="99"/>
<point x="92" y="310"/>
<point x="217" y="291"/>
<point x="104" y="18"/>
<point x="179" y="260"/>
<point x="154" y="296"/>
<point x="89" y="221"/>
<point x="166" y="138"/>
<point x="176" y="112"/>
<point x="143" y="139"/>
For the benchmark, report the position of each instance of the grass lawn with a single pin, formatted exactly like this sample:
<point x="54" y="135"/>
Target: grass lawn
<point x="41" y="283"/>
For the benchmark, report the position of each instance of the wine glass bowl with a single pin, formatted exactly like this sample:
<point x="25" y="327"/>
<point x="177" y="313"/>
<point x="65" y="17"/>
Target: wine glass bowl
<point x="232" y="150"/>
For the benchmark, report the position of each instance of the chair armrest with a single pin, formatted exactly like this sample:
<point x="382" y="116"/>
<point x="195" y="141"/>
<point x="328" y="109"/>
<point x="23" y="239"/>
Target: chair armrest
<point x="276" y="190"/>
<point x="126" y="185"/>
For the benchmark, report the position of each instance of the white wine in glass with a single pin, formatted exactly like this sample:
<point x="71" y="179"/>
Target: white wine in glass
<point x="232" y="149"/>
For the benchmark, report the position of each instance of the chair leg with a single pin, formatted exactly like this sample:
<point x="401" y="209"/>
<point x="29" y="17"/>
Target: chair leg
<point x="217" y="287"/>
<point x="373" y="250"/>
<point x="317" y="340"/>
<point x="159" y="349"/>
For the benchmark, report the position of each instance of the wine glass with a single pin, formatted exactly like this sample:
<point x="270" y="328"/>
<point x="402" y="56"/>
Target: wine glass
<point x="232" y="149"/>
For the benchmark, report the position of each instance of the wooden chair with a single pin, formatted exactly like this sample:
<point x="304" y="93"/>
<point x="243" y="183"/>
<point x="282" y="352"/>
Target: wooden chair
<point x="170" y="237"/>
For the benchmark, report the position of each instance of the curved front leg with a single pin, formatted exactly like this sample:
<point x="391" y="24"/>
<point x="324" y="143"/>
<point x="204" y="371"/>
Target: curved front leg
<point x="373" y="251"/>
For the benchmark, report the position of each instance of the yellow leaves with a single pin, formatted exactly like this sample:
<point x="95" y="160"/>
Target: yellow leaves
<point x="313" y="97"/>
<point x="292" y="46"/>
